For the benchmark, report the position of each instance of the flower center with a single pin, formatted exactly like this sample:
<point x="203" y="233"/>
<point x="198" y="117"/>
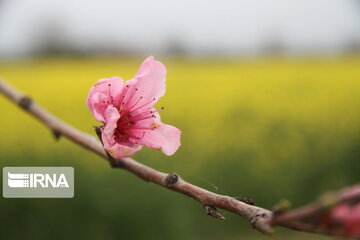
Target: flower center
<point x="133" y="110"/>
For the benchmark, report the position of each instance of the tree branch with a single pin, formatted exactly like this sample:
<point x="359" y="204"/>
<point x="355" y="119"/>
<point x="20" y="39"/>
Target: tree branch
<point x="260" y="218"/>
<point x="313" y="210"/>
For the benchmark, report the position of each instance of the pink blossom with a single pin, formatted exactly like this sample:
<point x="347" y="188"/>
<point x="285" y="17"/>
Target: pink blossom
<point x="128" y="114"/>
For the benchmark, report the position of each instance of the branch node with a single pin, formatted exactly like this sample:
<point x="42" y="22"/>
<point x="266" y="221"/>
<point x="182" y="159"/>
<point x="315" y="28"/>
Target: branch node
<point x="25" y="102"/>
<point x="212" y="211"/>
<point x="246" y="200"/>
<point x="56" y="134"/>
<point x="171" y="179"/>
<point x="260" y="221"/>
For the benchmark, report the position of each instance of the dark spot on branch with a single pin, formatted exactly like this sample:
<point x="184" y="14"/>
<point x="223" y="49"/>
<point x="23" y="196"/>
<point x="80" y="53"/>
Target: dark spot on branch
<point x="25" y="102"/>
<point x="245" y="200"/>
<point x="212" y="211"/>
<point x="115" y="163"/>
<point x="171" y="179"/>
<point x="56" y="134"/>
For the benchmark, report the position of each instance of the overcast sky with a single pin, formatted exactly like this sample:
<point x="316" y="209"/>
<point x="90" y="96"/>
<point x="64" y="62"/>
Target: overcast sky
<point x="149" y="26"/>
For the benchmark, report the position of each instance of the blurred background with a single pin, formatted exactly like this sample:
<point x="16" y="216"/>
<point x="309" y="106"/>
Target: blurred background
<point x="266" y="94"/>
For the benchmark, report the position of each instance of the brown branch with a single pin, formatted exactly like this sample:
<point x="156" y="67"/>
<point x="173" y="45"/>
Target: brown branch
<point x="347" y="195"/>
<point x="260" y="218"/>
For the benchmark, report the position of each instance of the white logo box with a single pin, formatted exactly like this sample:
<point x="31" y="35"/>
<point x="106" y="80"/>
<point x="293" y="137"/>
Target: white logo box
<point x="38" y="182"/>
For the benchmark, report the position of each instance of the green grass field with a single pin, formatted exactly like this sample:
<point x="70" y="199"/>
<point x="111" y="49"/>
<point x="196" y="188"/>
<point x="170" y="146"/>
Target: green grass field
<point x="264" y="128"/>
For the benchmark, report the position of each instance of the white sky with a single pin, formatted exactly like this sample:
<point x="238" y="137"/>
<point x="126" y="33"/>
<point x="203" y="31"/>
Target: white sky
<point x="147" y="26"/>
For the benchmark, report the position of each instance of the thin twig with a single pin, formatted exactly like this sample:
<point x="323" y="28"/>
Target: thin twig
<point x="260" y="218"/>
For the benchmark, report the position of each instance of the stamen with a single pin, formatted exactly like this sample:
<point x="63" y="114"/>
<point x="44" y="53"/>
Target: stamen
<point x="154" y="126"/>
<point x="133" y="91"/>
<point x="124" y="94"/>
<point x="141" y="116"/>
<point x="135" y="103"/>
<point x="143" y="105"/>
<point x="134" y="119"/>
<point x="111" y="97"/>
<point x="156" y="110"/>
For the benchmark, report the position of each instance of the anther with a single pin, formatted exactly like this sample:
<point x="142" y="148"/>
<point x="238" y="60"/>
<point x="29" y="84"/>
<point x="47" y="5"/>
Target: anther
<point x="154" y="126"/>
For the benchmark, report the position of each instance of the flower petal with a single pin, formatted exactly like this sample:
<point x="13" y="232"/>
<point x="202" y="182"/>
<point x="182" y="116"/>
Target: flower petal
<point x="96" y="102"/>
<point x="122" y="151"/>
<point x="164" y="137"/>
<point x="109" y="87"/>
<point x="149" y="82"/>
<point x="111" y="117"/>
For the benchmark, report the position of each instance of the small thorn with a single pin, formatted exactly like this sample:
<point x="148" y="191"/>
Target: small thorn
<point x="212" y="211"/>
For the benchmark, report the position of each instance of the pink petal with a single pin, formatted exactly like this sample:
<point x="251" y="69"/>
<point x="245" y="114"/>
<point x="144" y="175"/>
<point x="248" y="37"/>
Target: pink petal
<point x="111" y="117"/>
<point x="149" y="82"/>
<point x="164" y="137"/>
<point x="97" y="105"/>
<point x="108" y="90"/>
<point x="353" y="222"/>
<point x="123" y="151"/>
